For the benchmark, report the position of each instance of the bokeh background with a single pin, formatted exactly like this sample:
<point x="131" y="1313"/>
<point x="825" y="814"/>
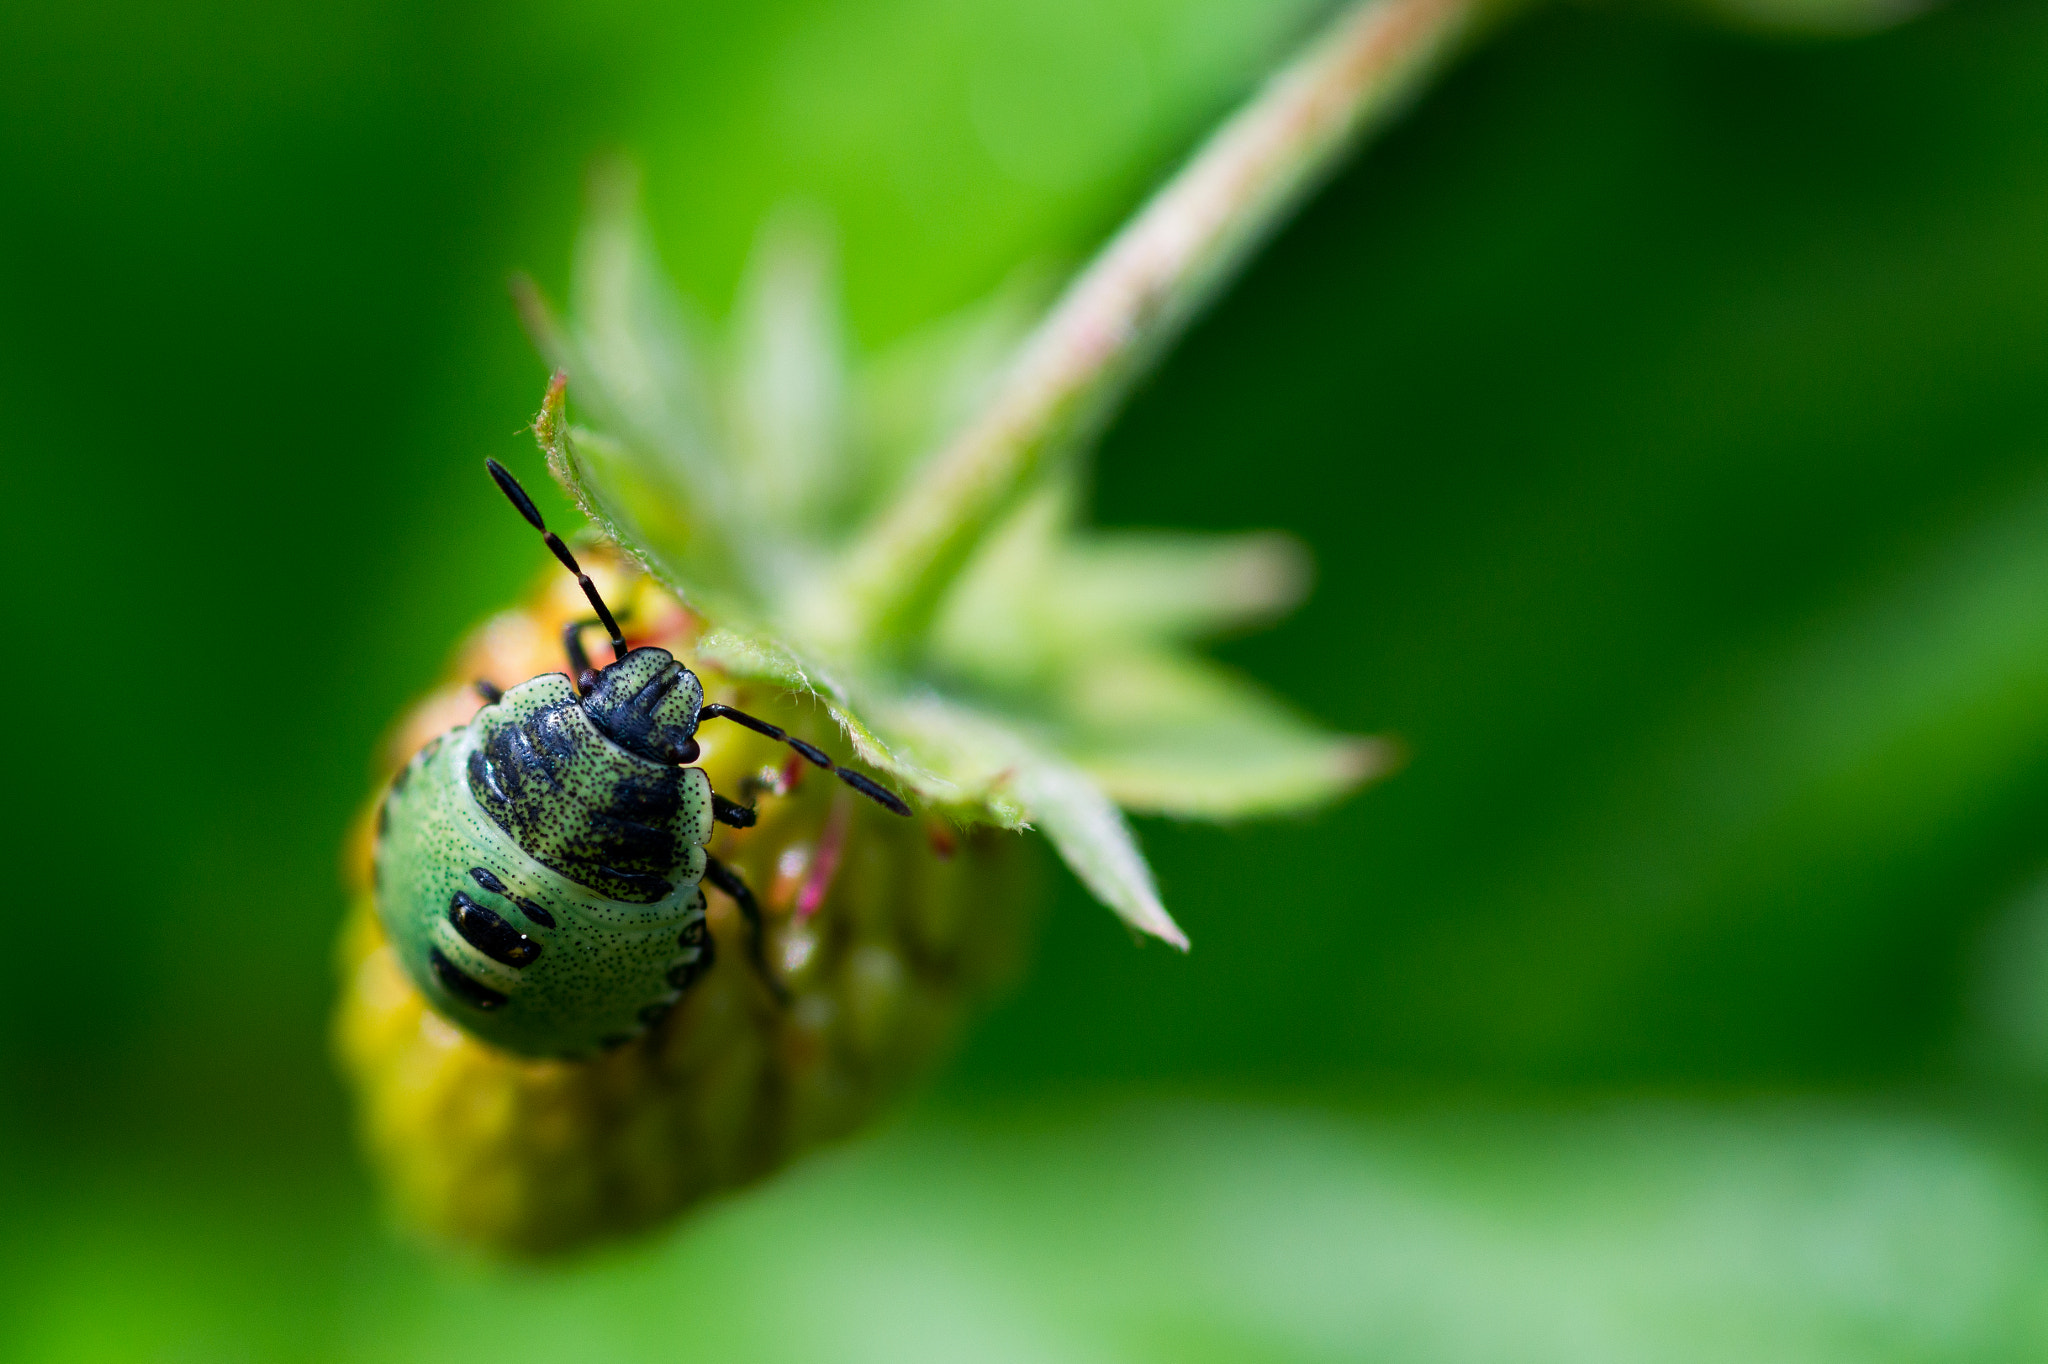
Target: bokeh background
<point x="1667" y="408"/>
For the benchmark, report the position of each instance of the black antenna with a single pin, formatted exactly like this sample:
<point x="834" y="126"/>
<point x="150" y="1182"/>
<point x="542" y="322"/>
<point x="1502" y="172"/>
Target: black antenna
<point x="867" y="786"/>
<point x="510" y="487"/>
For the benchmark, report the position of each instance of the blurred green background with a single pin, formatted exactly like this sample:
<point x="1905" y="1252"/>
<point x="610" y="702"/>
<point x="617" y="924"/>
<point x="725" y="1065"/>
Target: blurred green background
<point x="1667" y="409"/>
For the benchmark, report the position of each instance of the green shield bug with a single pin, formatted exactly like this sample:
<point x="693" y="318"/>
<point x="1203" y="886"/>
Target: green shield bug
<point x="539" y="869"/>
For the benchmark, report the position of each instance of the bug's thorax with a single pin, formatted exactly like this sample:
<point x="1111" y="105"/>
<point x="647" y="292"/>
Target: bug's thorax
<point x="573" y="794"/>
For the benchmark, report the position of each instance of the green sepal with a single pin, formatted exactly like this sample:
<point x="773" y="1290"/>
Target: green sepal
<point x="1055" y="684"/>
<point x="1172" y="735"/>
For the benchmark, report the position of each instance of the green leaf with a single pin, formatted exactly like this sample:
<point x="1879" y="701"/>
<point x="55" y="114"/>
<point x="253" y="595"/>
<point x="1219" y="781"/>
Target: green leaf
<point x="1041" y="601"/>
<point x="1177" y="736"/>
<point x="660" y="456"/>
<point x="1023" y="779"/>
<point x="970" y="641"/>
<point x="633" y="356"/>
<point x="1172" y="585"/>
<point x="1053" y="682"/>
<point x="1096" y="842"/>
<point x="791" y="463"/>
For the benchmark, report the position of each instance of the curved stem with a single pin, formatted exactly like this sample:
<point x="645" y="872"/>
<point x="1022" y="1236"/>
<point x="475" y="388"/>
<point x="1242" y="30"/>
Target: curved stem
<point x="1136" y="297"/>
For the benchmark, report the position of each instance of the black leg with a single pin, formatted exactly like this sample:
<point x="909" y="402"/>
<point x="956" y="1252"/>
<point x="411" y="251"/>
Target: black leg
<point x="867" y="786"/>
<point x="572" y="645"/>
<point x="728" y="880"/>
<point x="490" y="693"/>
<point x="728" y="812"/>
<point x="579" y="659"/>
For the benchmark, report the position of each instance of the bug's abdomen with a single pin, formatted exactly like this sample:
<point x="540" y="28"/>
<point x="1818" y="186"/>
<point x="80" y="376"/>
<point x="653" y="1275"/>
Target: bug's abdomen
<point x="522" y="950"/>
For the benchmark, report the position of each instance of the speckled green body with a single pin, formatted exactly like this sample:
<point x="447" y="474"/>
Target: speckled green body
<point x="539" y="882"/>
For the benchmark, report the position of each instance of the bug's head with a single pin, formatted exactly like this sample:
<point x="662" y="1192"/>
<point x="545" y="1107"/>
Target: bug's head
<point x="647" y="703"/>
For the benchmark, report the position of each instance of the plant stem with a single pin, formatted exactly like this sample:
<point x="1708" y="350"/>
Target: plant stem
<point x="1136" y="297"/>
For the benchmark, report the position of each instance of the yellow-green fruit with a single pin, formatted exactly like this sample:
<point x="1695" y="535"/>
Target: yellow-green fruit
<point x="887" y="932"/>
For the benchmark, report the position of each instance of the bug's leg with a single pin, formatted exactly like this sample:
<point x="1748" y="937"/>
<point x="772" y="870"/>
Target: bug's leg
<point x="728" y="880"/>
<point x="867" y="786"/>
<point x="572" y="645"/>
<point x="731" y="812"/>
<point x="490" y="693"/>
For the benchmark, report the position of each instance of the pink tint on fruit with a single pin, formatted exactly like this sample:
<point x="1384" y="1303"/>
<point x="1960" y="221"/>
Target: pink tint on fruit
<point x="825" y="865"/>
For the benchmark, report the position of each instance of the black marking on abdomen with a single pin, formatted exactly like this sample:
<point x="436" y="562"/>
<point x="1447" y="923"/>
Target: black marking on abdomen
<point x="465" y="988"/>
<point x="491" y="935"/>
<point x="482" y="876"/>
<point x="533" y="911"/>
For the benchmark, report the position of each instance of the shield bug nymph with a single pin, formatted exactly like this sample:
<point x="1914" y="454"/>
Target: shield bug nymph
<point x="540" y="869"/>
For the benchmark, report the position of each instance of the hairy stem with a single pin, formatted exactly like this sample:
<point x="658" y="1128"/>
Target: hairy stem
<point x="1136" y="297"/>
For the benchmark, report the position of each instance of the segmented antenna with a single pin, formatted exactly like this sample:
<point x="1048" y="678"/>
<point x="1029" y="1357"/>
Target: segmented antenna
<point x="867" y="786"/>
<point x="517" y="496"/>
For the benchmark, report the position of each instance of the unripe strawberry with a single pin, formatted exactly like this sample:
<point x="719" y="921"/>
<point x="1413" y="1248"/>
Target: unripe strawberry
<point x="885" y="931"/>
